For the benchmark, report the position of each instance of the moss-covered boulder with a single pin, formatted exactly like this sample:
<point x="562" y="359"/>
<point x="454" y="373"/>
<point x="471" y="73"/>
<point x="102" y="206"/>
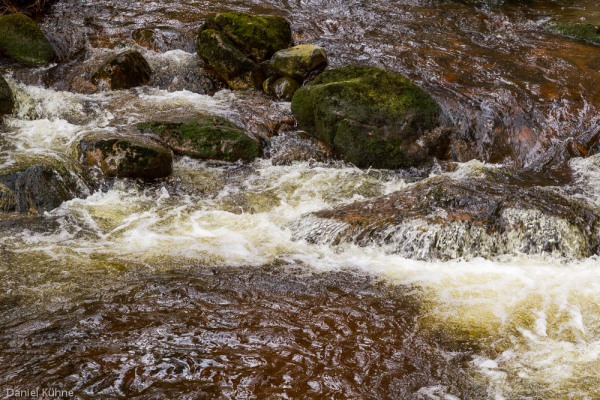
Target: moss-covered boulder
<point x="22" y="40"/>
<point x="123" y="71"/>
<point x="228" y="61"/>
<point x="126" y="157"/>
<point x="588" y="32"/>
<point x="299" y="62"/>
<point x="36" y="185"/>
<point x="369" y="116"/>
<point x="257" y="37"/>
<point x="7" y="102"/>
<point x="209" y="137"/>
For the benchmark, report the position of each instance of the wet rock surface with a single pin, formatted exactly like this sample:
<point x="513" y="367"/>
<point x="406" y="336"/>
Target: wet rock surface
<point x="281" y="88"/>
<point x="209" y="138"/>
<point x="37" y="185"/>
<point x="228" y="61"/>
<point x="299" y="62"/>
<point x="235" y="43"/>
<point x="258" y="37"/>
<point x="7" y="101"/>
<point x="443" y="217"/>
<point x="124" y="71"/>
<point x="126" y="157"/>
<point x="370" y="117"/>
<point x="22" y="40"/>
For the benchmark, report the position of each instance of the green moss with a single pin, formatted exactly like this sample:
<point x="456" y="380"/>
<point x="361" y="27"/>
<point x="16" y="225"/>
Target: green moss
<point x="256" y="36"/>
<point x="22" y="40"/>
<point x="299" y="61"/>
<point x="369" y="116"/>
<point x="588" y="32"/>
<point x="228" y="61"/>
<point x="208" y="137"/>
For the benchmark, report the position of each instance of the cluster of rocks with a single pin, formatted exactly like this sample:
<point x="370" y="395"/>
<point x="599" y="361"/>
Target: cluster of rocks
<point x="253" y="52"/>
<point x="367" y="116"/>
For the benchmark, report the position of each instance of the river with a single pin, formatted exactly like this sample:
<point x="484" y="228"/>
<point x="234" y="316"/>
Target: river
<point x="198" y="286"/>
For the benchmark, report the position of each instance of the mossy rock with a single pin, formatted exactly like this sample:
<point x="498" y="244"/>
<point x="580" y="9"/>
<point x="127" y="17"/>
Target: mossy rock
<point x="258" y="37"/>
<point x="369" y="116"/>
<point x="22" y="40"/>
<point x="36" y="185"/>
<point x="284" y="88"/>
<point x="587" y="32"/>
<point x="7" y="102"/>
<point x="209" y="137"/>
<point x="123" y="71"/>
<point x="126" y="157"/>
<point x="228" y="61"/>
<point x="300" y="61"/>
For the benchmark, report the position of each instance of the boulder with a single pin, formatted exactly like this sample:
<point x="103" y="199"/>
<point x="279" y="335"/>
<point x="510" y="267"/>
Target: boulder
<point x="228" y="61"/>
<point x="37" y="185"/>
<point x="123" y="71"/>
<point x="257" y="37"/>
<point x="22" y="40"/>
<point x="299" y="62"/>
<point x="6" y="98"/>
<point x="369" y="116"/>
<point x="126" y="157"/>
<point x="209" y="137"/>
<point x="485" y="214"/>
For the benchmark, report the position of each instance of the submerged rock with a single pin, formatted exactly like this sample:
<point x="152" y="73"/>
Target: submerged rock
<point x="445" y="217"/>
<point x="123" y="71"/>
<point x="6" y="98"/>
<point x="22" y="40"/>
<point x="210" y="137"/>
<point x="126" y="157"/>
<point x="299" y="62"/>
<point x="257" y="37"/>
<point x="38" y="185"/>
<point x="228" y="61"/>
<point x="369" y="116"/>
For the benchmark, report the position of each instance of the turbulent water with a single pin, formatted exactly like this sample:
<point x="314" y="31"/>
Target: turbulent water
<point x="199" y="286"/>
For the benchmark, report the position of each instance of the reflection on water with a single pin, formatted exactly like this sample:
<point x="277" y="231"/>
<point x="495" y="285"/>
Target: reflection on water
<point x="237" y="333"/>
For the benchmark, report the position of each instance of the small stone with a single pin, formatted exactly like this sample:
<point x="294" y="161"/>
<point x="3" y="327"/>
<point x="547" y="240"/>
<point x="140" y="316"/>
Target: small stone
<point x="284" y="88"/>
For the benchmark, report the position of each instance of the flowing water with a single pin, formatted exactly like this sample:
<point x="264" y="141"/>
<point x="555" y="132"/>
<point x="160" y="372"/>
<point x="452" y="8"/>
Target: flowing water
<point x="199" y="286"/>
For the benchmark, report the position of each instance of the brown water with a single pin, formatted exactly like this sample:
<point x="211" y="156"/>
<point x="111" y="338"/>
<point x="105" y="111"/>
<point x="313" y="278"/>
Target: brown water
<point x="195" y="287"/>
